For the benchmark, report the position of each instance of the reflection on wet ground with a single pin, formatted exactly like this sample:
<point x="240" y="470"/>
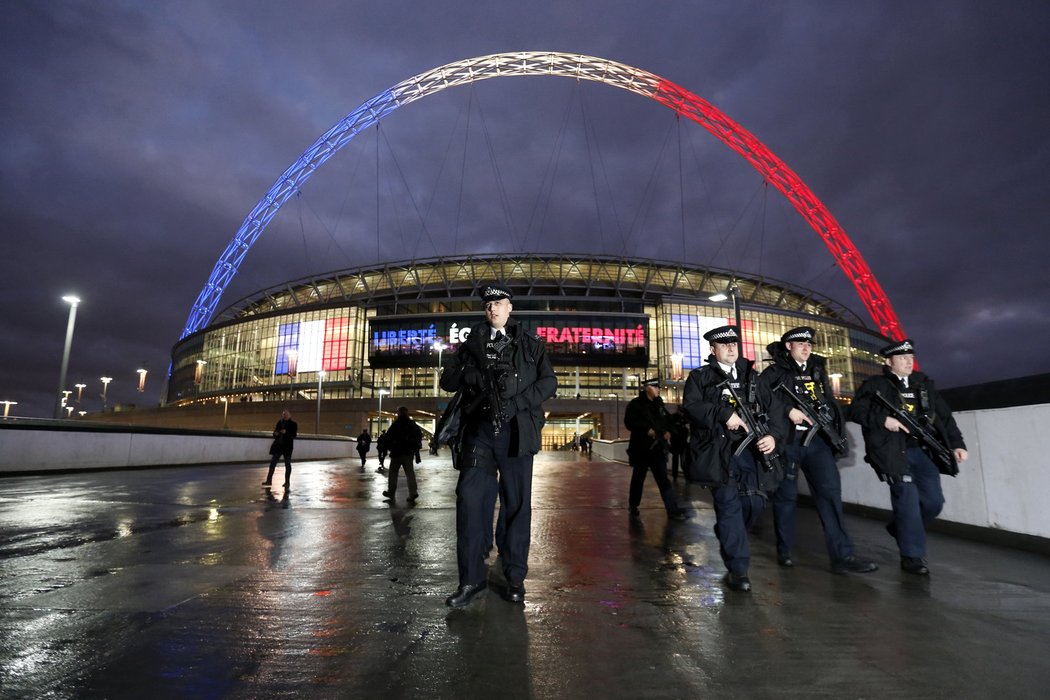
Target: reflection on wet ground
<point x="198" y="582"/>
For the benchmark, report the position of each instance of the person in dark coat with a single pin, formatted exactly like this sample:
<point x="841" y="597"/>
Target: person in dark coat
<point x="283" y="441"/>
<point x="364" y="443"/>
<point x="506" y="377"/>
<point x="403" y="440"/>
<point x="381" y="451"/>
<point x="679" y="440"/>
<point x="803" y="373"/>
<point x="898" y="457"/>
<point x="739" y="486"/>
<point x="650" y="426"/>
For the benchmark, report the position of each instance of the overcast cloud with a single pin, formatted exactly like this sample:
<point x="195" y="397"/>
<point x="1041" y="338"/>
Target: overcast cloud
<point x="135" y="137"/>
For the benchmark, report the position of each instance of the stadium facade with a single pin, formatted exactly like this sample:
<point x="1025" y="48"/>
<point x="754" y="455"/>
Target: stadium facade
<point x="609" y="323"/>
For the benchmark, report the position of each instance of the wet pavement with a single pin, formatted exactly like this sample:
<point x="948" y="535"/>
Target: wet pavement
<point x="196" y="582"/>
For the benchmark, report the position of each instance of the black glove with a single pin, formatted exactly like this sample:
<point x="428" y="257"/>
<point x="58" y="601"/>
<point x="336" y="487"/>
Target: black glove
<point x="472" y="377"/>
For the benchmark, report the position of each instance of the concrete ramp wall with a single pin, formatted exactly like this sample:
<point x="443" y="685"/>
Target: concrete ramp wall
<point x="1003" y="485"/>
<point x="40" y="447"/>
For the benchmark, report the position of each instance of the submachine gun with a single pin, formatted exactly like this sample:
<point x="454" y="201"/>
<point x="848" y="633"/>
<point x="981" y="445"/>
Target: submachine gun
<point x="757" y="424"/>
<point x="495" y="374"/>
<point x="822" y="416"/>
<point x="942" y="456"/>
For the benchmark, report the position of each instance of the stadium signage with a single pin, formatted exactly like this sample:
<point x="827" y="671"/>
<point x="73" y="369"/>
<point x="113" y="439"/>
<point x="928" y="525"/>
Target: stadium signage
<point x="575" y="339"/>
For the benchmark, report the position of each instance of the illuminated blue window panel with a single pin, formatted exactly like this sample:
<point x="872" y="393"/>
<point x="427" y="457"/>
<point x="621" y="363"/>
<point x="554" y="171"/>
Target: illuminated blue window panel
<point x="287" y="340"/>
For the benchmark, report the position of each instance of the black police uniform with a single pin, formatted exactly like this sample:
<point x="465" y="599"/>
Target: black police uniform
<point x="738" y="485"/>
<point x="497" y="439"/>
<point x="817" y="459"/>
<point x="649" y="454"/>
<point x="899" y="459"/>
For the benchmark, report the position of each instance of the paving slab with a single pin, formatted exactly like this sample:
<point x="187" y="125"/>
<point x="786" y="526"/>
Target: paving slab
<point x="197" y="582"/>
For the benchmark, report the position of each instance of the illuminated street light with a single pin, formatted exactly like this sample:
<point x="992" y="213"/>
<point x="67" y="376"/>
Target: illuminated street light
<point x="105" y="386"/>
<point x="73" y="302"/>
<point x="382" y="393"/>
<point x="69" y="411"/>
<point x="617" y="397"/>
<point x="440" y="347"/>
<point x="7" y="407"/>
<point x="65" y="396"/>
<point x="80" y="392"/>
<point x="225" y="413"/>
<point x="732" y="291"/>
<point x="142" y="379"/>
<point x="198" y="374"/>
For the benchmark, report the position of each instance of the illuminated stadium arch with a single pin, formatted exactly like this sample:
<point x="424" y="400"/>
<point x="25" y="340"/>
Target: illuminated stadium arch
<point x="536" y="63"/>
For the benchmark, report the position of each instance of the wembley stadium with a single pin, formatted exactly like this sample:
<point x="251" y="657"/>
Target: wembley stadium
<point x="357" y="336"/>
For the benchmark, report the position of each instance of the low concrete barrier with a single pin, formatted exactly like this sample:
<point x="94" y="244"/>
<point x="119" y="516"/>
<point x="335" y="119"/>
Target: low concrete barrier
<point x="609" y="450"/>
<point x="28" y="446"/>
<point x="1003" y="485"/>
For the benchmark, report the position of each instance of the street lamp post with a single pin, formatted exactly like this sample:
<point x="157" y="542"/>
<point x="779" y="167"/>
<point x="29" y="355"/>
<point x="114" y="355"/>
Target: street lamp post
<point x="317" y="423"/>
<point x="617" y="398"/>
<point x="105" y="385"/>
<point x="7" y="407"/>
<point x="80" y="392"/>
<point x="382" y="393"/>
<point x="142" y="379"/>
<point x="734" y="292"/>
<point x="440" y="347"/>
<point x="629" y="376"/>
<point x="73" y="302"/>
<point x="225" y="412"/>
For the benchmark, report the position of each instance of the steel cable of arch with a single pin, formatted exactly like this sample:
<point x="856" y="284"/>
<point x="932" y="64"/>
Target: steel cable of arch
<point x="538" y="63"/>
<point x="550" y="172"/>
<point x="411" y="198"/>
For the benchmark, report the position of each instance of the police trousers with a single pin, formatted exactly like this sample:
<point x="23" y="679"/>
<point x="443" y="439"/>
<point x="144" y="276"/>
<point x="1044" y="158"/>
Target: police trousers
<point x="654" y="461"/>
<point x="738" y="506"/>
<point x="822" y="475"/>
<point x="915" y="503"/>
<point x="476" y="495"/>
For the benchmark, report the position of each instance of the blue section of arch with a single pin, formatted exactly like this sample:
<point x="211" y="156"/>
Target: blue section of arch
<point x="282" y="190"/>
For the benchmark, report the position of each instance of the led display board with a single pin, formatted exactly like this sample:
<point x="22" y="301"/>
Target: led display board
<point x="607" y="340"/>
<point x="309" y="346"/>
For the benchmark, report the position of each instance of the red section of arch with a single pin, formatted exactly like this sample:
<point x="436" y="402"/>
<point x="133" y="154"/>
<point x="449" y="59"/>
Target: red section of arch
<point x="797" y="192"/>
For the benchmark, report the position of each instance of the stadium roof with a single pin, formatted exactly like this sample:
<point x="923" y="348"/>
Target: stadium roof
<point x="535" y="275"/>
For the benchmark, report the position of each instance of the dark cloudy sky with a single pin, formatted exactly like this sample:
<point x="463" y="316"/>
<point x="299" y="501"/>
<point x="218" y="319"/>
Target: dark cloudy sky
<point x="136" y="136"/>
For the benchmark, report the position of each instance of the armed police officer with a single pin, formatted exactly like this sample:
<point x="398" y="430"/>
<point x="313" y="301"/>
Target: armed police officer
<point x="650" y="426"/>
<point x="506" y="377"/>
<point x="816" y="437"/>
<point x="905" y="421"/>
<point x="739" y="462"/>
